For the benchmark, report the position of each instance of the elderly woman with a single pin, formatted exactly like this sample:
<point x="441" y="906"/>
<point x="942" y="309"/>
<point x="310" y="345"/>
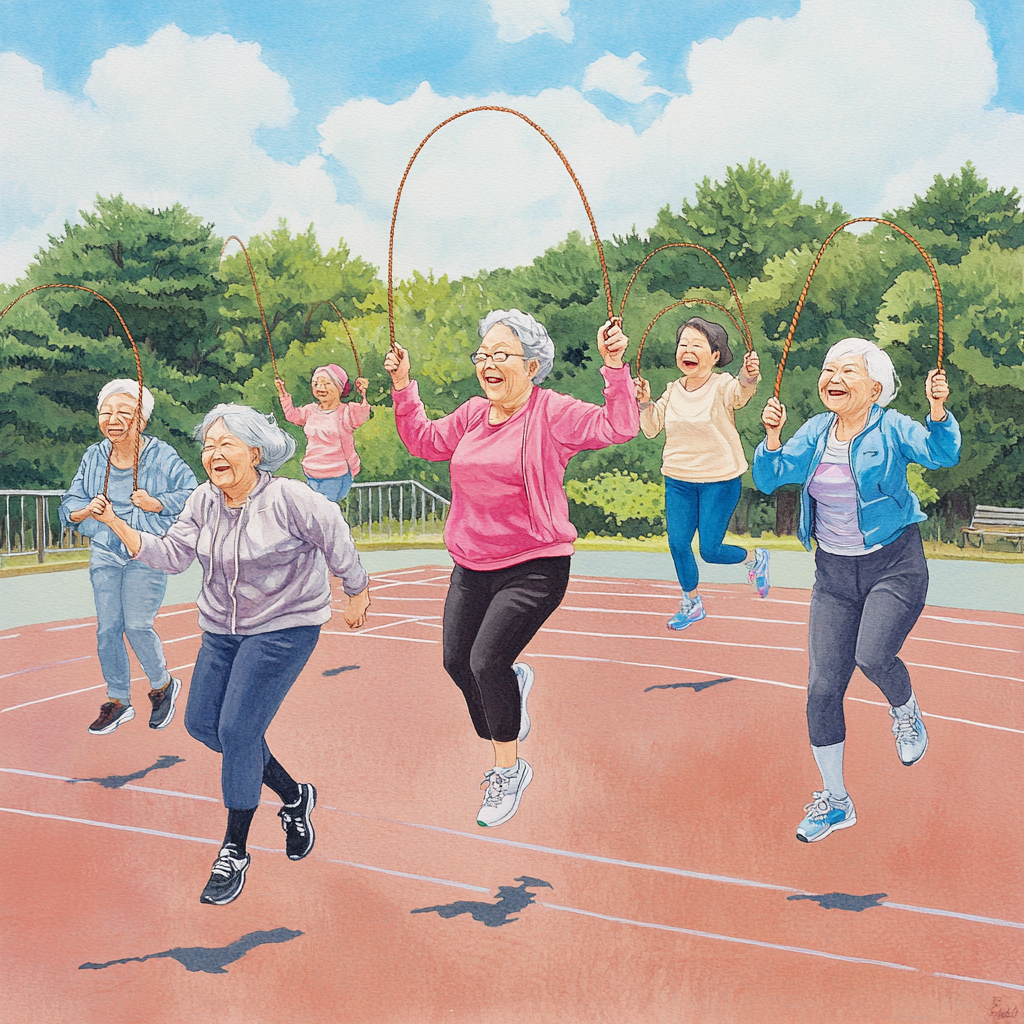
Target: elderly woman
<point x="871" y="579"/>
<point x="330" y="462"/>
<point x="265" y="545"/>
<point x="508" y="527"/>
<point x="704" y="461"/>
<point x="128" y="594"/>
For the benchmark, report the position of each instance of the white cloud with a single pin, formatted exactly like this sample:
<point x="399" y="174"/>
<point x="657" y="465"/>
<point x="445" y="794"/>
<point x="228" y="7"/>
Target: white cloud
<point x="621" y="77"/>
<point x="519" y="19"/>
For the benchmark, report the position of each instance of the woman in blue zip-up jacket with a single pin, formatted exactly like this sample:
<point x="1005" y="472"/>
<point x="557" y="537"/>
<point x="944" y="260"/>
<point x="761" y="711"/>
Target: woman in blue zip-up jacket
<point x="871" y="579"/>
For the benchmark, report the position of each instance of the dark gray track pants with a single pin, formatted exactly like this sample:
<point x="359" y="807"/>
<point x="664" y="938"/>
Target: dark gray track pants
<point x="862" y="608"/>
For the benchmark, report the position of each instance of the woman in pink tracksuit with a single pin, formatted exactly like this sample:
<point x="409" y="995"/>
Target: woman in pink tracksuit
<point x="508" y="527"/>
<point x="330" y="462"/>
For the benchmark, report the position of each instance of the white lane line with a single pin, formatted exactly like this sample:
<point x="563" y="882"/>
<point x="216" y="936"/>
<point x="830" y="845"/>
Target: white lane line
<point x="183" y="611"/>
<point x="629" y="611"/>
<point x="951" y="643"/>
<point x="731" y="938"/>
<point x="669" y="639"/>
<point x="77" y="625"/>
<point x="436" y="600"/>
<point x="108" y="824"/>
<point x="406" y="874"/>
<point x="385" y="573"/>
<point x="355" y="634"/>
<point x="971" y="622"/>
<point x="964" y="672"/>
<point x="431" y="582"/>
<point x="982" y="981"/>
<point x="134" y="789"/>
<point x="780" y="600"/>
<point x="950" y="913"/>
<point x="71" y="693"/>
<point x="51" y="664"/>
<point x="174" y="640"/>
<point x="755" y="679"/>
<point x="10" y="636"/>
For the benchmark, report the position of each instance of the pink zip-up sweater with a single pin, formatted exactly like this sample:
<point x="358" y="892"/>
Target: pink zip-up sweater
<point x="508" y="496"/>
<point x="330" y="448"/>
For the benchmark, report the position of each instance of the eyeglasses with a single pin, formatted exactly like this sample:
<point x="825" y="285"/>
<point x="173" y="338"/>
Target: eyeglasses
<point x="496" y="357"/>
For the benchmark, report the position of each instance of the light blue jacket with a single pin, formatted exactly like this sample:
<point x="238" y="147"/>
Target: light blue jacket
<point x="879" y="456"/>
<point x="162" y="472"/>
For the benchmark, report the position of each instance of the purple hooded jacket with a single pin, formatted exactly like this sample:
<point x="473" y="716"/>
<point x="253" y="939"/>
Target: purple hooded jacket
<point x="264" y="564"/>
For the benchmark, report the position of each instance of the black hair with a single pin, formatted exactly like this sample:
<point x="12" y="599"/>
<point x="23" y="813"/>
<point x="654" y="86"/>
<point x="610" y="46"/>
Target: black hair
<point x="715" y="334"/>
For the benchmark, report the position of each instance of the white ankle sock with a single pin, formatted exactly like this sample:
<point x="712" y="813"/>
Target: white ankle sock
<point x="907" y="708"/>
<point x="508" y="771"/>
<point x="830" y="763"/>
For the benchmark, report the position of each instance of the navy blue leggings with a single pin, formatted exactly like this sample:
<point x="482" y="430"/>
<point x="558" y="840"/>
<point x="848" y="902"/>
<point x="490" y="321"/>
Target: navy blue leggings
<point x="237" y="686"/>
<point x="707" y="508"/>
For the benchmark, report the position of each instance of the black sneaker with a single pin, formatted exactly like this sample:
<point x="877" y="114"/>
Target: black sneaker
<point x="298" y="829"/>
<point x="163" y="704"/>
<point x="226" y="878"/>
<point x="112" y="714"/>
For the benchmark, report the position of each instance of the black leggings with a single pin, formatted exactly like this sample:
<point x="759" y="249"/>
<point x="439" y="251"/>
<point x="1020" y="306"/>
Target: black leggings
<point x="489" y="617"/>
<point x="862" y="608"/>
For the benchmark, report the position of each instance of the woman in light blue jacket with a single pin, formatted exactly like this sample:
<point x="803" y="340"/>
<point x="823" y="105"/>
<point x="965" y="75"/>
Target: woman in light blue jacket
<point x="871" y="578"/>
<point x="128" y="594"/>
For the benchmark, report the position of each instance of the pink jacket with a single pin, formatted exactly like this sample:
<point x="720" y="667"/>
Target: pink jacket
<point x="330" y="449"/>
<point x="508" y="499"/>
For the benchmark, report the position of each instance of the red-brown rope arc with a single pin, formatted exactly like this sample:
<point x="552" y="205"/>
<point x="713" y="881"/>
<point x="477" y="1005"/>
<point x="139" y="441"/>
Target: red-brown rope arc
<point x="814" y="266"/>
<point x="551" y="142"/>
<point x="256" y="289"/>
<point x="344" y="323"/>
<point x="685" y="302"/>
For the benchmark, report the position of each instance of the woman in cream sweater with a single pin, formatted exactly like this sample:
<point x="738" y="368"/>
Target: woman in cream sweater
<point x="703" y="460"/>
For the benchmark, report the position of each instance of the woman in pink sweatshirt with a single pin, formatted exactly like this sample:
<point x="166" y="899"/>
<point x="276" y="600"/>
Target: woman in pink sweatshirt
<point x="508" y="527"/>
<point x="330" y="462"/>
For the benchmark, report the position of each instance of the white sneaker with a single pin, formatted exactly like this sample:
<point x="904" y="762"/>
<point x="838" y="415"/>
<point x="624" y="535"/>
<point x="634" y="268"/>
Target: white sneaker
<point x="911" y="735"/>
<point x="525" y="676"/>
<point x="503" y="794"/>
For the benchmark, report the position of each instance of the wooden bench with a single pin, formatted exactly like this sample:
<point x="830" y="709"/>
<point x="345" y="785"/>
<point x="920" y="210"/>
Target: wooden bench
<point x="990" y="520"/>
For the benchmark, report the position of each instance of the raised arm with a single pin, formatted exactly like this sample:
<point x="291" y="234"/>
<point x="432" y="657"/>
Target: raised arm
<point x="174" y="552"/>
<point x="776" y="463"/>
<point x="292" y="414"/>
<point x="936" y="442"/>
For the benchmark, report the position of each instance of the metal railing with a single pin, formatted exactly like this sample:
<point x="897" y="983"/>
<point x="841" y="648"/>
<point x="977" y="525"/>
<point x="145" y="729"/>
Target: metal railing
<point x="30" y="524"/>
<point x="384" y="508"/>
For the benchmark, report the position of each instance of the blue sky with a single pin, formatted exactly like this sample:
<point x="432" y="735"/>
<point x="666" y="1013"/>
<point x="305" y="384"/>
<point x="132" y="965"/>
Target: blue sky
<point x="861" y="102"/>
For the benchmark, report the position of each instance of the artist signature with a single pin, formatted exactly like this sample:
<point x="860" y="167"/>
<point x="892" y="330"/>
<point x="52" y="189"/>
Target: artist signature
<point x="997" y="1011"/>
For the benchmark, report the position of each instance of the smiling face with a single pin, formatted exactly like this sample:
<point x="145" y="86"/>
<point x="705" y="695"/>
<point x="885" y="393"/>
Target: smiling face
<point x="115" y="417"/>
<point x="845" y="387"/>
<point x="505" y="383"/>
<point x="325" y="391"/>
<point x="694" y="355"/>
<point x="229" y="462"/>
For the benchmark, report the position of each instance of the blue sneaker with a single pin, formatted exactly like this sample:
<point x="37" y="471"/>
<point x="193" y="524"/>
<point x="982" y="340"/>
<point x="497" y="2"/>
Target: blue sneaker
<point x="911" y="735"/>
<point x="524" y="675"/>
<point x="823" y="815"/>
<point x="691" y="610"/>
<point x="758" y="572"/>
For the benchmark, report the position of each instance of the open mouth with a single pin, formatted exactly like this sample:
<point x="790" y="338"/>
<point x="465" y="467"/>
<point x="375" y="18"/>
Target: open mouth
<point x="835" y="392"/>
<point x="689" y="362"/>
<point x="493" y="380"/>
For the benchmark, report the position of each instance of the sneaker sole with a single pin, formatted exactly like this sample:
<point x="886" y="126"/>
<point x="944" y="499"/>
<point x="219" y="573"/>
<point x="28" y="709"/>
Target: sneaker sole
<point x="524" y="725"/>
<point x="832" y="828"/>
<point x="232" y="895"/>
<point x="907" y="764"/>
<point x="126" y="717"/>
<point x="175" y="690"/>
<point x="309" y="822"/>
<point x="527" y="779"/>
<point x="679" y="629"/>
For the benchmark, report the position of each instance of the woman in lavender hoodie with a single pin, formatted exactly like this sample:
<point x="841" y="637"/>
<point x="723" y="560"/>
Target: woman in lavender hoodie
<point x="508" y="528"/>
<point x="265" y="544"/>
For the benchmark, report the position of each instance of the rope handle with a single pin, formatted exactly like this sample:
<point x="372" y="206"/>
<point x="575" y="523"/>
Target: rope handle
<point x="744" y="333"/>
<point x="814" y="266"/>
<point x="344" y="323"/>
<point x="685" y="302"/>
<point x="137" y="416"/>
<point x="551" y="142"/>
<point x="255" y="288"/>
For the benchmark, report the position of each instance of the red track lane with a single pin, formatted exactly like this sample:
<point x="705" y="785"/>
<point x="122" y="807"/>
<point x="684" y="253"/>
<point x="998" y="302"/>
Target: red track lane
<point x="662" y="820"/>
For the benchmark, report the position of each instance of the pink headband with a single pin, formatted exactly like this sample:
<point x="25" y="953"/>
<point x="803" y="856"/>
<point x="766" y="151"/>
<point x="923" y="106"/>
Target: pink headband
<point x="337" y="374"/>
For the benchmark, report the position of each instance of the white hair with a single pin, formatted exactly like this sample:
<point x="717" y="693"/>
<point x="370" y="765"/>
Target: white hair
<point x="537" y="343"/>
<point x="252" y="428"/>
<point x="124" y="386"/>
<point x="876" y="362"/>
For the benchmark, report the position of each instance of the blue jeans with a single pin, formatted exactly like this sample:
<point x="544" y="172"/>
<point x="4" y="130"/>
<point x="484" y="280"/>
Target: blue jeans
<point x="127" y="600"/>
<point x="237" y="686"/>
<point x="334" y="488"/>
<point x="705" y="507"/>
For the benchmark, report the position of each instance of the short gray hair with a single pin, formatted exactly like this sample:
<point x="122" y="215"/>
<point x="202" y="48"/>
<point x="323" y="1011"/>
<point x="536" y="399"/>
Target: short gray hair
<point x="537" y="343"/>
<point x="255" y="429"/>
<point x="876" y="362"/>
<point x="124" y="386"/>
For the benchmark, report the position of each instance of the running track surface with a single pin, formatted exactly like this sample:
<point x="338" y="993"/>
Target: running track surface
<point x="651" y="874"/>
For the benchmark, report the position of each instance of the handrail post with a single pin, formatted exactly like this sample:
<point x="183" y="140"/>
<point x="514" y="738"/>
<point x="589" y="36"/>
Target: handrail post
<point x="40" y="531"/>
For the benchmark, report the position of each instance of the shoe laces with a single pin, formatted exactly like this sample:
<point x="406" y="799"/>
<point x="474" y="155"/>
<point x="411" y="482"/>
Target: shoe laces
<point x="819" y="806"/>
<point x="224" y="865"/>
<point x="292" y="821"/>
<point x="497" y="782"/>
<point x="905" y="723"/>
